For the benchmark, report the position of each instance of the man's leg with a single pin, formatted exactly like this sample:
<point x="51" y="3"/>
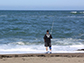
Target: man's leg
<point x="47" y="49"/>
<point x="50" y="49"/>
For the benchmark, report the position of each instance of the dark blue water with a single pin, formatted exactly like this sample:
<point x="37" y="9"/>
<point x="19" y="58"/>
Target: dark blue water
<point x="28" y="27"/>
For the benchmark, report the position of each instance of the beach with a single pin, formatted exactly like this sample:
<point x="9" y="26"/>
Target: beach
<point x="43" y="58"/>
<point x="22" y="32"/>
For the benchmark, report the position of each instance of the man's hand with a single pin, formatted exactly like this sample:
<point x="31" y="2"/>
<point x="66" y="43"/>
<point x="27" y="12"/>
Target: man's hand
<point x="44" y="40"/>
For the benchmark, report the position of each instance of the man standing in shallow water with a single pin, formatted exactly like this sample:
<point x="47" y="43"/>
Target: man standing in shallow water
<point x="47" y="40"/>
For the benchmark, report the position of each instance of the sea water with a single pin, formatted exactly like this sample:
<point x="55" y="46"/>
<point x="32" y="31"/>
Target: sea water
<point x="23" y="31"/>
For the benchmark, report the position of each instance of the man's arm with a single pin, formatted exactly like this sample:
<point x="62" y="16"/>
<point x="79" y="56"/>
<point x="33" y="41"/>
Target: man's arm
<point x="44" y="40"/>
<point x="51" y="36"/>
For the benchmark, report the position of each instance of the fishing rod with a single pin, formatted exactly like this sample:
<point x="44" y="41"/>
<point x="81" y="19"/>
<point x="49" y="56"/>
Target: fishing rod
<point x="52" y="26"/>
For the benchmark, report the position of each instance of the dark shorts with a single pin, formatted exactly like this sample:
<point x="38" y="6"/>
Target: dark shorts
<point x="47" y="44"/>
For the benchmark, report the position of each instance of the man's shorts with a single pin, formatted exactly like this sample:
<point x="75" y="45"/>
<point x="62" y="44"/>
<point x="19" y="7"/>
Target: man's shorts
<point x="47" y="44"/>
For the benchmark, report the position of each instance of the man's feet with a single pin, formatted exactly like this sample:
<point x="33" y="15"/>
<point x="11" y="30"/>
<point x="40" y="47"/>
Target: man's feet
<point x="50" y="52"/>
<point x="47" y="52"/>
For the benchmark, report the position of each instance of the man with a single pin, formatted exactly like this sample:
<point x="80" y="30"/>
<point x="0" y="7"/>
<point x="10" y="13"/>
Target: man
<point x="47" y="40"/>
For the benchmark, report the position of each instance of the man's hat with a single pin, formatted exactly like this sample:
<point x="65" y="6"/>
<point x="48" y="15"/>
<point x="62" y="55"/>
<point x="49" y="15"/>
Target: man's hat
<point x="47" y="31"/>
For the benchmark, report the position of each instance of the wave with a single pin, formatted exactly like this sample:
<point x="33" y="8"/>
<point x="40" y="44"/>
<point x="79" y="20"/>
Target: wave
<point x="19" y="43"/>
<point x="68" y="41"/>
<point x="38" y="49"/>
<point x="25" y="43"/>
<point x="74" y="12"/>
<point x="82" y="12"/>
<point x="3" y="15"/>
<point x="37" y="46"/>
<point x="59" y="41"/>
<point x="75" y="16"/>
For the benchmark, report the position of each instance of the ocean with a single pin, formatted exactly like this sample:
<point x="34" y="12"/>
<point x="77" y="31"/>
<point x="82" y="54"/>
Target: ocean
<point x="22" y="31"/>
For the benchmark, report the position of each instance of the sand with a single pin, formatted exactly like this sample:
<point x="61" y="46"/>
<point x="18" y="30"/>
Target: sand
<point x="43" y="58"/>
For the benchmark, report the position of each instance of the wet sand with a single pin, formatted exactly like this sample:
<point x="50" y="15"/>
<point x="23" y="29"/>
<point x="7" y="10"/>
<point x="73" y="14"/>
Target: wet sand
<point x="43" y="58"/>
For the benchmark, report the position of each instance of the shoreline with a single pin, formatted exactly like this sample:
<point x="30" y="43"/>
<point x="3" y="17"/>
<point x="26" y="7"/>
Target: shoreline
<point x="42" y="55"/>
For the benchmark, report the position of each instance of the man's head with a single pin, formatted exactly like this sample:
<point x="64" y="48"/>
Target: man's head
<point x="47" y="31"/>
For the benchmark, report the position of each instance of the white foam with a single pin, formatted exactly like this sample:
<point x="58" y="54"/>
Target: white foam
<point x="74" y="12"/>
<point x="59" y="45"/>
<point x="82" y="12"/>
<point x="41" y="49"/>
<point x="68" y="52"/>
<point x="20" y="43"/>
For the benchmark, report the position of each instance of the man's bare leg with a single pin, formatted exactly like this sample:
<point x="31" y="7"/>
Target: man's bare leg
<point x="47" y="49"/>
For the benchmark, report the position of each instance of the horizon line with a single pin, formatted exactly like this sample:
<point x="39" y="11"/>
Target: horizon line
<point x="40" y="10"/>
